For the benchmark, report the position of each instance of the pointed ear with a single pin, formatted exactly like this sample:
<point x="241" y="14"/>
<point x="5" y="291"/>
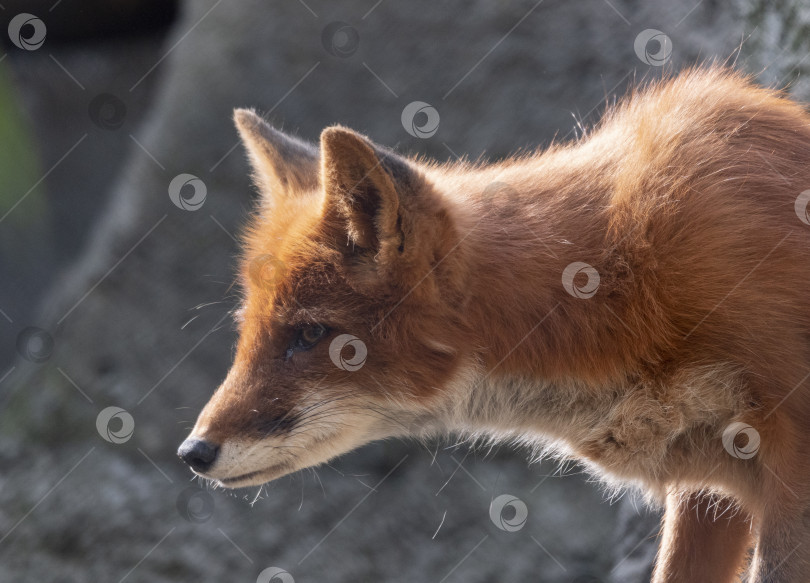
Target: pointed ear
<point x="364" y="186"/>
<point x="281" y="163"/>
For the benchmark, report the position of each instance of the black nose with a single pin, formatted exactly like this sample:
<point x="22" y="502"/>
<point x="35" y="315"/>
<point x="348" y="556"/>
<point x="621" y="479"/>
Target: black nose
<point x="198" y="454"/>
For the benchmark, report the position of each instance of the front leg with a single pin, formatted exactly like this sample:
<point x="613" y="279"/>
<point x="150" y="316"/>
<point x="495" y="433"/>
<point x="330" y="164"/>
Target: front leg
<point x="705" y="539"/>
<point x="783" y="552"/>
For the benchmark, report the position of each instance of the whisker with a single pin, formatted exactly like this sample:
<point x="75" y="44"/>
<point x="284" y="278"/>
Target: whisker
<point x="205" y="305"/>
<point x="183" y="327"/>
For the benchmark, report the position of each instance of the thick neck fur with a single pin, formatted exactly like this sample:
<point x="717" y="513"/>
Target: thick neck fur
<point x="528" y="324"/>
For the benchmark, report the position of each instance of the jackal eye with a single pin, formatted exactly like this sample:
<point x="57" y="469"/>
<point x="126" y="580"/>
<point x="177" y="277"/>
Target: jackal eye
<point x="307" y="337"/>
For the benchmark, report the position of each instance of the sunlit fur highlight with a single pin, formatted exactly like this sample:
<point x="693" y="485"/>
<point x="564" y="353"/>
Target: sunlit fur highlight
<point x="681" y="198"/>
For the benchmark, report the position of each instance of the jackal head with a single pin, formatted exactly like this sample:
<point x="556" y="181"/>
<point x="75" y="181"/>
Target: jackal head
<point x="351" y="324"/>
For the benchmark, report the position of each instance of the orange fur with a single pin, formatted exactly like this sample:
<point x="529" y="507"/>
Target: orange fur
<point x="682" y="202"/>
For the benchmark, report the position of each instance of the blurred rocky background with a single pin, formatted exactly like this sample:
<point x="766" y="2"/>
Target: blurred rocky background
<point x="112" y="296"/>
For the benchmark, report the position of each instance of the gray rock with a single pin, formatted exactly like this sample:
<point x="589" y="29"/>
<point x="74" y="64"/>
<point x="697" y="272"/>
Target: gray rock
<point x="108" y="516"/>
